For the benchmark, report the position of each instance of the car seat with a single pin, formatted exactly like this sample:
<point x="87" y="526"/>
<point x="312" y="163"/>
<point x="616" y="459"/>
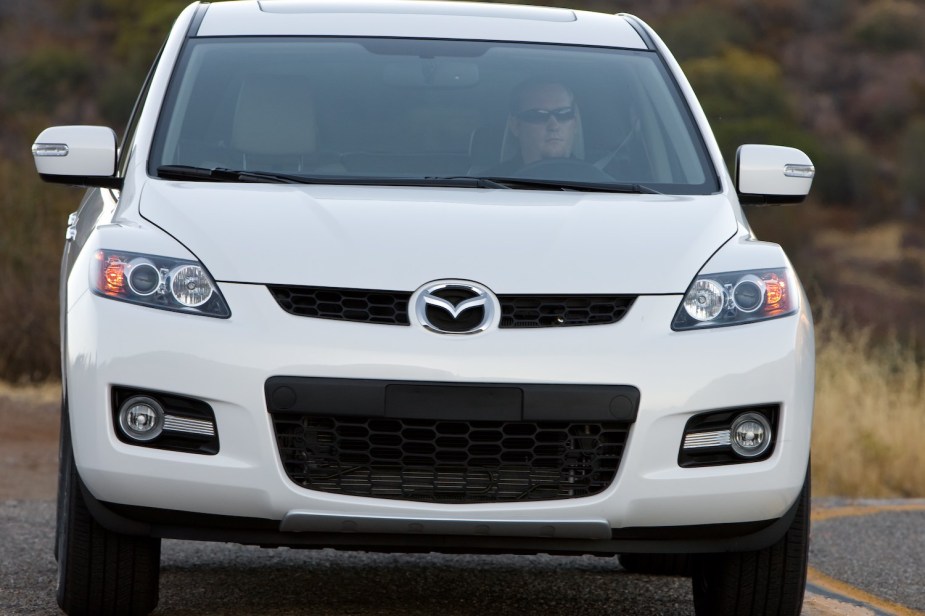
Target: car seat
<point x="274" y="126"/>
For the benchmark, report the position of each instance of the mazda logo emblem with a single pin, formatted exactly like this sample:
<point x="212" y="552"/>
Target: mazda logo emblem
<point x="455" y="307"/>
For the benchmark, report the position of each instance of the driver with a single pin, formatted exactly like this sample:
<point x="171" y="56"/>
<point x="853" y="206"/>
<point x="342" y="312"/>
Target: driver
<point x="544" y="122"/>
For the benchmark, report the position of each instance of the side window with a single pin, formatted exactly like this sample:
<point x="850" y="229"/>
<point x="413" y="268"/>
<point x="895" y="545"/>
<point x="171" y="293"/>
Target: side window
<point x="133" y="119"/>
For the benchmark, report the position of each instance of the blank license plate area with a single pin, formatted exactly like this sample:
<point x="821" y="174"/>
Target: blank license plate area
<point x="463" y="402"/>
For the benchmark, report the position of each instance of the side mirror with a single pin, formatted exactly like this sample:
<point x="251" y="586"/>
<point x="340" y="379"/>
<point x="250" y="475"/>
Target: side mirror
<point x="81" y="155"/>
<point x="772" y="174"/>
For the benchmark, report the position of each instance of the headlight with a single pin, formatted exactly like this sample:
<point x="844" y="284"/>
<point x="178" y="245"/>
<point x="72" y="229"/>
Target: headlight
<point x="158" y="282"/>
<point x="731" y="298"/>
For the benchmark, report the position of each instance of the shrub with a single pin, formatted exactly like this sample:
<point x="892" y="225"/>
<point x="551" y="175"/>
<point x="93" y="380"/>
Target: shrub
<point x="30" y="254"/>
<point x="846" y="175"/>
<point x="889" y="26"/>
<point x="703" y="31"/>
<point x="912" y="153"/>
<point x="738" y="84"/>
<point x="46" y="77"/>
<point x="822" y="15"/>
<point x="746" y="100"/>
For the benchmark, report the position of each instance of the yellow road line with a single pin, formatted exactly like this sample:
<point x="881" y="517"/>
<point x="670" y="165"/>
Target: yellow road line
<point x="838" y="587"/>
<point x="816" y="577"/>
<point x="818" y="605"/>
<point x="821" y="515"/>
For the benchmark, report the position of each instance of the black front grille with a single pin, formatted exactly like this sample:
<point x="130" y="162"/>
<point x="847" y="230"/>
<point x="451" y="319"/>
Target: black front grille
<point x="562" y="310"/>
<point x="391" y="307"/>
<point x="386" y="307"/>
<point x="441" y="461"/>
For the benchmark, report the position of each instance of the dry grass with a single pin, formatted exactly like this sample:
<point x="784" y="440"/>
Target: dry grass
<point x="870" y="415"/>
<point x="888" y="260"/>
<point x="29" y="395"/>
<point x="31" y="240"/>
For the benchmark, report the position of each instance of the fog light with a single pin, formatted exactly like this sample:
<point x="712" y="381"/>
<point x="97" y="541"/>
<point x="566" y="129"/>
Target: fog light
<point x="141" y="418"/>
<point x="751" y="435"/>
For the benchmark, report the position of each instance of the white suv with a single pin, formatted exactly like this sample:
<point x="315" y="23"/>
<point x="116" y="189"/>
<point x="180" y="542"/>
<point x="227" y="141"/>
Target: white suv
<point x="428" y="276"/>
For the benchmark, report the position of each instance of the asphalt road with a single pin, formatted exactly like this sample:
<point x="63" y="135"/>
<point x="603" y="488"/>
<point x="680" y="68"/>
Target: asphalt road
<point x="867" y="558"/>
<point x="871" y="551"/>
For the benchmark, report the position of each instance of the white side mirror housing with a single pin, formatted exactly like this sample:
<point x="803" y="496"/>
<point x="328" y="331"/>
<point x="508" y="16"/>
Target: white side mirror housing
<point x="83" y="155"/>
<point x="772" y="174"/>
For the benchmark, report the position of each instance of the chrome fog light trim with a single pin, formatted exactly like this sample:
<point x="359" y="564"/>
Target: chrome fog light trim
<point x="698" y="440"/>
<point x="173" y="423"/>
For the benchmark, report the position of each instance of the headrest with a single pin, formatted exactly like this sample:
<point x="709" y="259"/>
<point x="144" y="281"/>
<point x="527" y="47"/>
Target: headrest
<point x="275" y="114"/>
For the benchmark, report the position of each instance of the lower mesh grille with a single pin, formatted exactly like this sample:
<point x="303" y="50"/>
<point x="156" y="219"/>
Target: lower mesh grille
<point x="449" y="461"/>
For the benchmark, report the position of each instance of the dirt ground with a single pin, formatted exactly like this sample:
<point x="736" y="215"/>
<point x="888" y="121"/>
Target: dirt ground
<point x="28" y="443"/>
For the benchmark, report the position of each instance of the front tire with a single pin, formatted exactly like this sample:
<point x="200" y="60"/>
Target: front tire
<point x="99" y="571"/>
<point x="771" y="581"/>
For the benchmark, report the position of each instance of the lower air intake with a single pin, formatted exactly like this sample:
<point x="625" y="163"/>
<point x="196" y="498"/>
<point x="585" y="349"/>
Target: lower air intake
<point x="439" y="461"/>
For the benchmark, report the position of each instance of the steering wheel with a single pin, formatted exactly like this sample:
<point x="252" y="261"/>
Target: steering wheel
<point x="605" y="160"/>
<point x="564" y="169"/>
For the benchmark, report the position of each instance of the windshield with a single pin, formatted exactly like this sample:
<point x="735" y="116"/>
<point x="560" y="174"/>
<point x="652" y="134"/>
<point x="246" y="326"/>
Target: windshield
<point x="341" y="110"/>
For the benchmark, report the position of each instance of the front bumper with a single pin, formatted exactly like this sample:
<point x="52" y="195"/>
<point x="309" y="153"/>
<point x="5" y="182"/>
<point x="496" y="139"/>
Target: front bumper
<point x="227" y="363"/>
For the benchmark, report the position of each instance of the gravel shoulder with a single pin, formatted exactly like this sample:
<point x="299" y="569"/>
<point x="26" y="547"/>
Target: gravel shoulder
<point x="29" y="425"/>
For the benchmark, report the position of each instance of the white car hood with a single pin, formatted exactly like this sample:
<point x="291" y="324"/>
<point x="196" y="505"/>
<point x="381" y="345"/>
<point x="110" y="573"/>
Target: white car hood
<point x="397" y="238"/>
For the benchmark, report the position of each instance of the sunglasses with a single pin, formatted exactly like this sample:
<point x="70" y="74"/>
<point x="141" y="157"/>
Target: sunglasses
<point x="541" y="116"/>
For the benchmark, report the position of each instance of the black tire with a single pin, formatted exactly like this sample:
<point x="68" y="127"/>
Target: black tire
<point x="62" y="449"/>
<point x="99" y="571"/>
<point x="769" y="581"/>
<point x="658" y="564"/>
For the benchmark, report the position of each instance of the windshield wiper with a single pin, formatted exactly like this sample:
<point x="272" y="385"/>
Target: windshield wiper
<point x="220" y="174"/>
<point x="535" y="184"/>
<point x="465" y="181"/>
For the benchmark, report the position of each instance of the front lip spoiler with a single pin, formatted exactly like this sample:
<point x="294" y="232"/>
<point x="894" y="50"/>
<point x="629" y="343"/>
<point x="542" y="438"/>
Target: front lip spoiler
<point x="307" y="521"/>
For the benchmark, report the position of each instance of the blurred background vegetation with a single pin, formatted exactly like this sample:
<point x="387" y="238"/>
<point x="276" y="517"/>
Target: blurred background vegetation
<point x="844" y="80"/>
